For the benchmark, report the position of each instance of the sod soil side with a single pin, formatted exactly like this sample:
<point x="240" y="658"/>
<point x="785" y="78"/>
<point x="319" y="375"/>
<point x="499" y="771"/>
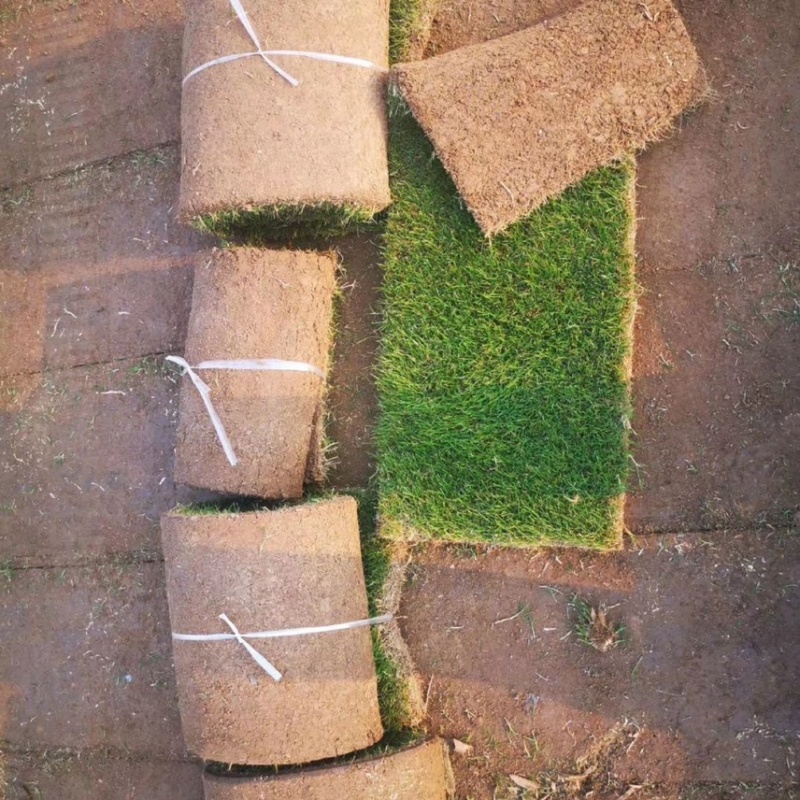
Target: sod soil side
<point x="256" y="304"/>
<point x="252" y="141"/>
<point x="417" y="773"/>
<point x="296" y="567"/>
<point x="517" y="120"/>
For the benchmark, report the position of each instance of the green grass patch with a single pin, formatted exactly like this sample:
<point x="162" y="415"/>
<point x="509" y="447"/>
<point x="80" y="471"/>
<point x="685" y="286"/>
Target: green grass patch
<point x="282" y="223"/>
<point x="503" y="376"/>
<point x="410" y="22"/>
<point x="393" y="691"/>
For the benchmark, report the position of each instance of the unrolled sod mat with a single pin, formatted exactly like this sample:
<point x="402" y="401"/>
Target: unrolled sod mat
<point x="254" y="304"/>
<point x="307" y="143"/>
<point x="297" y="567"/>
<point x="518" y="119"/>
<point x="418" y="773"/>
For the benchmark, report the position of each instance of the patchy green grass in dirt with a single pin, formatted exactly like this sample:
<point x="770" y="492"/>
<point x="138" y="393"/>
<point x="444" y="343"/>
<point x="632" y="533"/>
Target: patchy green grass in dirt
<point x="269" y="224"/>
<point x="593" y="625"/>
<point x="594" y="774"/>
<point x="6" y="574"/>
<point x="503" y="376"/>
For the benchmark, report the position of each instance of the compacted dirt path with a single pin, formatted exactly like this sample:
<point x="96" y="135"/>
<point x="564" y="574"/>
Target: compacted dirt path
<point x="701" y="691"/>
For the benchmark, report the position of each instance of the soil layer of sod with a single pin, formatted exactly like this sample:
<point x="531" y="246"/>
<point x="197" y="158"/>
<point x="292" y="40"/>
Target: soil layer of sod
<point x="503" y="376"/>
<point x="315" y="151"/>
<point x="519" y="119"/>
<point x="257" y="304"/>
<point x="421" y="772"/>
<point x="271" y="570"/>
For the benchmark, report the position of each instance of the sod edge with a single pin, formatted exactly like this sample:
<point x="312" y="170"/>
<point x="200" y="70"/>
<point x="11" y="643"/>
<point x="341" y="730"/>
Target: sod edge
<point x="284" y="223"/>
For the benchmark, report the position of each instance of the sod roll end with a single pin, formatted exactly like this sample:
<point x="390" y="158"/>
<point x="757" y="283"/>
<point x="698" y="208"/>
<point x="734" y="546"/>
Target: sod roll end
<point x="293" y="568"/>
<point x="259" y="151"/>
<point x="517" y="120"/>
<point x="421" y="772"/>
<point x="250" y="304"/>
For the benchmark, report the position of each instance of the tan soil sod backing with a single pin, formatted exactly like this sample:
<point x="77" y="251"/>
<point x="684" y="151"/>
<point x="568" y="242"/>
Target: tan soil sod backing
<point x="418" y="773"/>
<point x="85" y="662"/>
<point x="519" y="119"/>
<point x="79" y="776"/>
<point x="296" y="567"/>
<point x="254" y="304"/>
<point x="250" y="139"/>
<point x="86" y="81"/>
<point x="86" y="462"/>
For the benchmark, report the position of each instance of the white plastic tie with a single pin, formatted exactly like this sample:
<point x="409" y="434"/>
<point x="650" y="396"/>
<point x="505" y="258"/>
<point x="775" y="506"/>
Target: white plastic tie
<point x="257" y="657"/>
<point x="262" y="662"/>
<point x="255" y="365"/>
<point x="265" y="55"/>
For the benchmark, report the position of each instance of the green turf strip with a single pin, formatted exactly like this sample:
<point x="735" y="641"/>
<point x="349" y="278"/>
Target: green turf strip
<point x="503" y="373"/>
<point x="270" y="224"/>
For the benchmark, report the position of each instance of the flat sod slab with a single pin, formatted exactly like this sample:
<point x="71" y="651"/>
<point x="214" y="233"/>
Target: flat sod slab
<point x="75" y="775"/>
<point x="106" y="217"/>
<point x="86" y="660"/>
<point x="519" y="119"/>
<point x="319" y="146"/>
<point x="86" y="83"/>
<point x="503" y="373"/>
<point x="249" y="303"/>
<point x="421" y="772"/>
<point x="296" y="567"/>
<point x="59" y="318"/>
<point x="717" y="411"/>
<point x="461" y="24"/>
<point x="86" y="467"/>
<point x="706" y="667"/>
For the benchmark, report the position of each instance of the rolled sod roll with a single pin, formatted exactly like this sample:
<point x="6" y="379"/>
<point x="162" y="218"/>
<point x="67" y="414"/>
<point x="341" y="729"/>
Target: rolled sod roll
<point x="296" y="567"/>
<point x="417" y="773"/>
<point x="257" y="149"/>
<point x="518" y="119"/>
<point x="249" y="304"/>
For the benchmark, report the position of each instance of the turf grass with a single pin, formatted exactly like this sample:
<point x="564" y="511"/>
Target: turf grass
<point x="503" y="375"/>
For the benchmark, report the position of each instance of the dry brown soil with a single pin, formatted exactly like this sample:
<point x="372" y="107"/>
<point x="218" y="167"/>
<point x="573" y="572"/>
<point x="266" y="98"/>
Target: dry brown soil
<point x="94" y="289"/>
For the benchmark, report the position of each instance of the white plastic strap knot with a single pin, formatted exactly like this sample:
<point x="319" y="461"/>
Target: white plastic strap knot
<point x="261" y="364"/>
<point x="265" y="54"/>
<point x="262" y="662"/>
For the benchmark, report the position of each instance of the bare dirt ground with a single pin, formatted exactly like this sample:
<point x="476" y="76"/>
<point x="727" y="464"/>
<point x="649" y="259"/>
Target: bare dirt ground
<point x="699" y="697"/>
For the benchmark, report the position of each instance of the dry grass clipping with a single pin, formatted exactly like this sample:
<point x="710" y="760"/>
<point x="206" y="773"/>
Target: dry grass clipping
<point x="591" y="775"/>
